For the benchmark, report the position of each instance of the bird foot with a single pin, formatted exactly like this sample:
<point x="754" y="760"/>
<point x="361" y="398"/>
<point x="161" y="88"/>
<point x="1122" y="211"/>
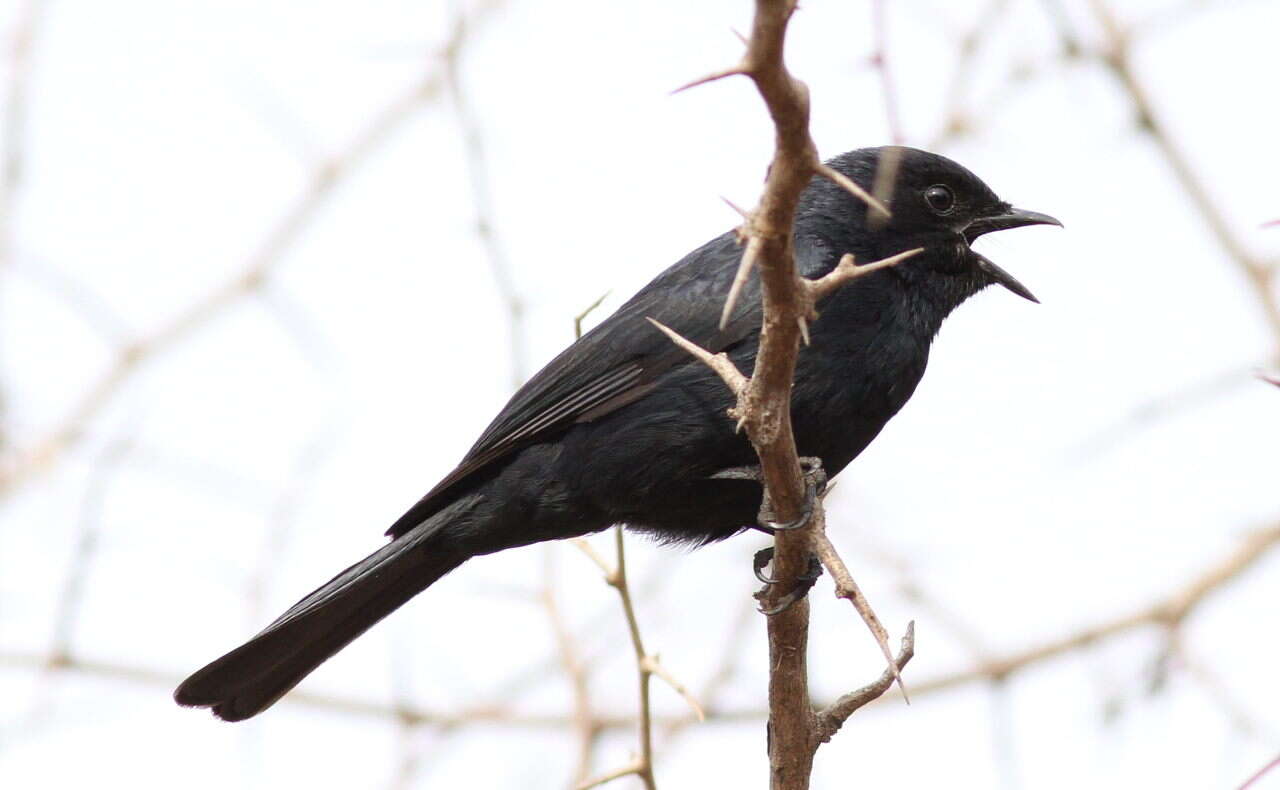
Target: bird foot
<point x="815" y="478"/>
<point x="804" y="582"/>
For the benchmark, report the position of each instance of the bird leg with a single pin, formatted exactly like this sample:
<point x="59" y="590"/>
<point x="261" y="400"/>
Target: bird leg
<point x="804" y="582"/>
<point x="815" y="478"/>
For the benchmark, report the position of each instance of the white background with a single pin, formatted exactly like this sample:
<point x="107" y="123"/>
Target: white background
<point x="1060" y="464"/>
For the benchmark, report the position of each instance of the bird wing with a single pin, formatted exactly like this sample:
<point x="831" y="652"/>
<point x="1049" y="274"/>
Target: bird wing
<point x="616" y="363"/>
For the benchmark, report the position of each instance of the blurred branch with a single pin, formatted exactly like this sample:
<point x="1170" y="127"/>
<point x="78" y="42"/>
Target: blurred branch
<point x="482" y="198"/>
<point x="1261" y="275"/>
<point x="1169" y="613"/>
<point x="13" y="127"/>
<point x="72" y="594"/>
<point x="1193" y="395"/>
<point x="647" y="665"/>
<point x="13" y="132"/>
<point x="38" y="456"/>
<point x="1217" y="691"/>
<point x="880" y="60"/>
<point x="1253" y="780"/>
<point x="575" y="670"/>
<point x="727" y="667"/>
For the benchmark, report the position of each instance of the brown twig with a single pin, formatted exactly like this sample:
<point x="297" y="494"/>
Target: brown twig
<point x="831" y="718"/>
<point x="848" y="589"/>
<point x="763" y="402"/>
<point x="647" y="665"/>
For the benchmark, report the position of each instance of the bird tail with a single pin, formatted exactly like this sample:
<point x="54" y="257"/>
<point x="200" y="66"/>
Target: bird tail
<point x="250" y="679"/>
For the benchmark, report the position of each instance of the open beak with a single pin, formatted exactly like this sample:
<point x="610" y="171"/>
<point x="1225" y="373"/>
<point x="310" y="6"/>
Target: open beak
<point x="1009" y="218"/>
<point x="999" y="275"/>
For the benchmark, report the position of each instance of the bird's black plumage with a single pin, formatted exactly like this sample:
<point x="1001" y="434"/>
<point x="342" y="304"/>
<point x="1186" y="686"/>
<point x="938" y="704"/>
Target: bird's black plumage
<point x="623" y="427"/>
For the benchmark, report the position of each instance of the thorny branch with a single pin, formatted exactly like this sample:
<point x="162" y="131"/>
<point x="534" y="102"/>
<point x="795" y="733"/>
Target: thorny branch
<point x="763" y="401"/>
<point x="1168" y="613"/>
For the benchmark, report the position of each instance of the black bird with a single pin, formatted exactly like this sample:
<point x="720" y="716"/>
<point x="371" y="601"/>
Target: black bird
<point x="623" y="427"/>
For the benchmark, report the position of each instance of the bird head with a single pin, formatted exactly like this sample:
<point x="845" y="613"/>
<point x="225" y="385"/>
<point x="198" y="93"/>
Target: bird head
<point x="934" y="203"/>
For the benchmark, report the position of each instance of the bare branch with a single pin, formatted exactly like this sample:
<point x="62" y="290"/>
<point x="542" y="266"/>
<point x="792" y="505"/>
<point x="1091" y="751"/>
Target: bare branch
<point x="42" y="453"/>
<point x="764" y="406"/>
<point x="833" y="717"/>
<point x="588" y="310"/>
<point x="720" y="363"/>
<point x="574" y="669"/>
<point x="1263" y="771"/>
<point x="847" y="271"/>
<point x="647" y="665"/>
<point x="848" y="589"/>
<point x="880" y="59"/>
<point x="1168" y="612"/>
<point x="643" y="766"/>
<point x="1261" y="276"/>
<point x="653" y="666"/>
<point x="634" y="769"/>
<point x="482" y="201"/>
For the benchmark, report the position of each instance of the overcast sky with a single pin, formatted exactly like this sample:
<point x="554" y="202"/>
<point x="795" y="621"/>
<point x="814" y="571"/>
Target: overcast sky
<point x="1059" y="465"/>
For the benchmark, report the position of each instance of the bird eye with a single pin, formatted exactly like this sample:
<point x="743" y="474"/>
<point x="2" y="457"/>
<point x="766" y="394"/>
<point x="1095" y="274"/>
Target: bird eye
<point x="939" y="198"/>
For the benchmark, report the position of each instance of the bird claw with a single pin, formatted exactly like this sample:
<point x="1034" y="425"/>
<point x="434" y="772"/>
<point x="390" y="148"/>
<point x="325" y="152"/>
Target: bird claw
<point x="815" y="485"/>
<point x="762" y="558"/>
<point x="815" y="479"/>
<point x="804" y="582"/>
<point x="806" y="512"/>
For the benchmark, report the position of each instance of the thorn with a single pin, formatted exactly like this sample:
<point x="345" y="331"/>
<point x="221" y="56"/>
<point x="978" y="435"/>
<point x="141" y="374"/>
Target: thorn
<point x="741" y="37"/>
<point x="742" y="211"/>
<point x="712" y="77"/>
<point x="883" y="184"/>
<point x="740" y="279"/>
<point x="850" y="187"/>
<point x="804" y="328"/>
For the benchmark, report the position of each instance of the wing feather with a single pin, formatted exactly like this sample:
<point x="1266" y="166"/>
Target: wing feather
<point x="614" y="364"/>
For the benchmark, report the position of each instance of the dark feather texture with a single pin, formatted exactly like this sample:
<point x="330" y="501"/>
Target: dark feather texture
<point x="623" y="427"/>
